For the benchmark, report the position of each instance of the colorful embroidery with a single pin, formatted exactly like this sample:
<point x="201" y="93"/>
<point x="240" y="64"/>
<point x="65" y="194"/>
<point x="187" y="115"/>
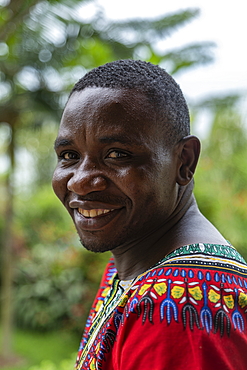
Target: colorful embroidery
<point x="242" y="300"/>
<point x="198" y="287"/>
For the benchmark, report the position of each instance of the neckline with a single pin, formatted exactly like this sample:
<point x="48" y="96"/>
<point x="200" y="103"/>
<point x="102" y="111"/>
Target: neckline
<point x="196" y="248"/>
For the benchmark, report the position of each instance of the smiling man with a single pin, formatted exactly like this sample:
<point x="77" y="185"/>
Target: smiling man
<point x="174" y="294"/>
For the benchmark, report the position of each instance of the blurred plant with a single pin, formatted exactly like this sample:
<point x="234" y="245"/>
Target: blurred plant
<point x="49" y="287"/>
<point x="221" y="176"/>
<point x="55" y="279"/>
<point x="49" y="365"/>
<point x="53" y="287"/>
<point x="45" y="47"/>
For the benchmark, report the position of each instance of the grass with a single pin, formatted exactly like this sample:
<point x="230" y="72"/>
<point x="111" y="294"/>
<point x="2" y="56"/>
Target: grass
<point x="34" y="347"/>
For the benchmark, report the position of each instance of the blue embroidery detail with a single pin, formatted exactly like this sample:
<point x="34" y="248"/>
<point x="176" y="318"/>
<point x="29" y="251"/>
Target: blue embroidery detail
<point x="229" y="279"/>
<point x="217" y="277"/>
<point x="191" y="274"/>
<point x="183" y="273"/>
<point x="208" y="276"/>
<point x="237" y="319"/>
<point x="200" y="275"/>
<point x="206" y="314"/>
<point x="240" y="282"/>
<point x="168" y="272"/>
<point x="170" y="305"/>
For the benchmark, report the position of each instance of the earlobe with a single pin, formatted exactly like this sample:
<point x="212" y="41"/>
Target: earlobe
<point x="188" y="154"/>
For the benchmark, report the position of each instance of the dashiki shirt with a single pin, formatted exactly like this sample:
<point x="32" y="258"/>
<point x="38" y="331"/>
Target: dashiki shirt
<point x="187" y="312"/>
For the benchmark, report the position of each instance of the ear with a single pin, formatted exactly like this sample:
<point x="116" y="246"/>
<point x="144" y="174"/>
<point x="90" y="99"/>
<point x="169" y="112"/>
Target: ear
<point x="188" y="154"/>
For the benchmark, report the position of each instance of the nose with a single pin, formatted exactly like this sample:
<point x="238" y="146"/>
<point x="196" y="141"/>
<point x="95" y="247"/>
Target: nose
<point x="86" y="179"/>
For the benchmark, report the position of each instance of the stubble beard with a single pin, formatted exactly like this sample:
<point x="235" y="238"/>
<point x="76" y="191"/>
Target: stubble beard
<point x="99" y="246"/>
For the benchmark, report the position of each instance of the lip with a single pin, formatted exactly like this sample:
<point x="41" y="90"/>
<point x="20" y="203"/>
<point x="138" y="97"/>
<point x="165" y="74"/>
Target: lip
<point x="98" y="222"/>
<point x="89" y="205"/>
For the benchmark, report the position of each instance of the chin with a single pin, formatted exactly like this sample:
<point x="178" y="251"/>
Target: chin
<point x="95" y="241"/>
<point x="97" y="246"/>
<point x="93" y="247"/>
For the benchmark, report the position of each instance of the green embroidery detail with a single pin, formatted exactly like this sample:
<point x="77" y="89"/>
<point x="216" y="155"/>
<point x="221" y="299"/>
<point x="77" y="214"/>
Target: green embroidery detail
<point x="207" y="249"/>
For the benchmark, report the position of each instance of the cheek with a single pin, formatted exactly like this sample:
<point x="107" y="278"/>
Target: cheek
<point x="139" y="186"/>
<point x="59" y="184"/>
<point x="131" y="181"/>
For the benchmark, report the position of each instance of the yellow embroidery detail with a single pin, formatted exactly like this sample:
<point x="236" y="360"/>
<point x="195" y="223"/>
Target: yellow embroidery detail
<point x="132" y="295"/>
<point x="196" y="293"/>
<point x="177" y="291"/>
<point x="160" y="288"/>
<point x="229" y="301"/>
<point x="93" y="364"/>
<point x="124" y="301"/>
<point x="97" y="348"/>
<point x="98" y="305"/>
<point x="105" y="292"/>
<point x="242" y="300"/>
<point x="213" y="296"/>
<point x="144" y="288"/>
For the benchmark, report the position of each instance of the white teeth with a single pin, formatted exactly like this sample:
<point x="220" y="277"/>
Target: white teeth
<point x="93" y="212"/>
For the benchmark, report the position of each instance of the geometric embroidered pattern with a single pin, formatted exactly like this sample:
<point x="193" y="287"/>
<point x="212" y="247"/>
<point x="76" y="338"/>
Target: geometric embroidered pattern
<point x="201" y="288"/>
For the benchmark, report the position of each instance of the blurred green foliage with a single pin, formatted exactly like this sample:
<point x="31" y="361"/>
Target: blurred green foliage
<point x="221" y="175"/>
<point x="46" y="47"/>
<point x="49" y="365"/>
<point x="32" y="348"/>
<point x="49" y="289"/>
<point x="55" y="278"/>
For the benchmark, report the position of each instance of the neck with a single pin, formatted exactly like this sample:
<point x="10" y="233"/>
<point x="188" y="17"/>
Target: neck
<point x="137" y="257"/>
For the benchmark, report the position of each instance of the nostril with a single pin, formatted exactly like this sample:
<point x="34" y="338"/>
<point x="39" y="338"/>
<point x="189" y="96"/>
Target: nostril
<point x="83" y="185"/>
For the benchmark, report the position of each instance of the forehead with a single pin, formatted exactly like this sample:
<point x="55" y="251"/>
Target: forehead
<point x="101" y="109"/>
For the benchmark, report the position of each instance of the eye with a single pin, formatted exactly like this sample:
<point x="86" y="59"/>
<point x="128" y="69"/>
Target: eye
<point x="68" y="156"/>
<point x="116" y="154"/>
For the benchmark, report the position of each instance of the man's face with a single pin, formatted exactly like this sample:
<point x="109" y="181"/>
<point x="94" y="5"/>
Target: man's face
<point x="114" y="175"/>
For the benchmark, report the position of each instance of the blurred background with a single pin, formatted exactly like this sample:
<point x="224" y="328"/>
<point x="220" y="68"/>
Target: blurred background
<point x="47" y="280"/>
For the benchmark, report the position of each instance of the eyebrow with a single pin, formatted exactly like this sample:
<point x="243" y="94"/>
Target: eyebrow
<point x="123" y="139"/>
<point x="62" y="142"/>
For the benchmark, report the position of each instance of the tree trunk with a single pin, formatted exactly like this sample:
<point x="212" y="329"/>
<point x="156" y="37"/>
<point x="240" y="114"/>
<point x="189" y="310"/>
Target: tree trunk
<point x="8" y="258"/>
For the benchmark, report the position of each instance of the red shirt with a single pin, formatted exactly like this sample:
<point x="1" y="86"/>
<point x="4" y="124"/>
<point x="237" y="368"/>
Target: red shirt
<point x="187" y="312"/>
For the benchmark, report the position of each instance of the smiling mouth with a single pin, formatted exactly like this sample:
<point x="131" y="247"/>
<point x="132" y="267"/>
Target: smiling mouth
<point x="93" y="212"/>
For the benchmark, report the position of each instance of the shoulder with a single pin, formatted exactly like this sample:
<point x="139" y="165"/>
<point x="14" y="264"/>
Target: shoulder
<point x="184" y="316"/>
<point x="207" y="291"/>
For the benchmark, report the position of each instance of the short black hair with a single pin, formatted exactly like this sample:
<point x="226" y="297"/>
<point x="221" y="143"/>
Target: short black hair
<point x="161" y="89"/>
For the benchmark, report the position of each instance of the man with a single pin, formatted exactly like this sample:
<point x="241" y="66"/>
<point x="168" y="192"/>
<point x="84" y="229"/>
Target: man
<point x="174" y="295"/>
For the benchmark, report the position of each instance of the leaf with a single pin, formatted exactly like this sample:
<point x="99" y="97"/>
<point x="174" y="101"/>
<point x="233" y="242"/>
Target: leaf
<point x="229" y="301"/>
<point x="144" y="288"/>
<point x="177" y="291"/>
<point x="196" y="293"/>
<point x="242" y="300"/>
<point x="160" y="288"/>
<point x="213" y="296"/>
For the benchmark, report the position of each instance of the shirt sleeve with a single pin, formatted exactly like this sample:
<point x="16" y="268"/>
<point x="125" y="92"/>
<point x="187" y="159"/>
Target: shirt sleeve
<point x="157" y="334"/>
